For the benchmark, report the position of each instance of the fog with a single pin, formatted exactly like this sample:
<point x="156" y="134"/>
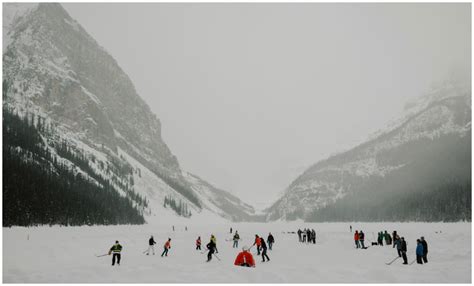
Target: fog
<point x="249" y="95"/>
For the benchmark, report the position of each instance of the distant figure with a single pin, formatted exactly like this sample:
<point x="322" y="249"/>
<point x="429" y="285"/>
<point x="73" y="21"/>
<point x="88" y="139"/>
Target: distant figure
<point x="270" y="240"/>
<point x="173" y="227"/>
<point x="186" y="228"/>
<point x="198" y="243"/>
<point x="264" y="250"/>
<point x="425" y="249"/>
<point x="361" y="239"/>
<point x="350" y="227"/>
<point x="404" y="251"/>
<point x="115" y="250"/>
<point x="356" y="239"/>
<point x="244" y="258"/>
<point x="230" y="230"/>
<point x="299" y="235"/>
<point x="313" y="236"/>
<point x="419" y="252"/>
<point x="166" y="247"/>
<point x="236" y="240"/>
<point x="151" y="246"/>
<point x="258" y="243"/>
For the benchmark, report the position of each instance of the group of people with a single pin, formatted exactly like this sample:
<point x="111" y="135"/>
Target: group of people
<point x="359" y="238"/>
<point x="398" y="242"/>
<point x="307" y="235"/>
<point x="384" y="236"/>
<point x="151" y="247"/>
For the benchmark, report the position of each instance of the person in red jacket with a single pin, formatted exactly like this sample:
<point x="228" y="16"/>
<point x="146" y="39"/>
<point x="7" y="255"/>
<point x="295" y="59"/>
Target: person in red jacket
<point x="167" y="246"/>
<point x="258" y="243"/>
<point x="244" y="259"/>
<point x="356" y="239"/>
<point x="198" y="243"/>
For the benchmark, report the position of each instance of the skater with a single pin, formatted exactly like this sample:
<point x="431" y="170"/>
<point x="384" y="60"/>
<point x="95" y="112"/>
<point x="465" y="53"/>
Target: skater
<point x="398" y="244"/>
<point x="313" y="236"/>
<point x="236" y="240"/>
<point x="198" y="243"/>
<point x="264" y="250"/>
<point x="257" y="242"/>
<point x="425" y="249"/>
<point x="356" y="239"/>
<point x="419" y="252"/>
<point x="173" y="227"/>
<point x="299" y="235"/>
<point x="270" y="240"/>
<point x="361" y="239"/>
<point x="213" y="238"/>
<point x="404" y="251"/>
<point x="244" y="258"/>
<point x="115" y="250"/>
<point x="186" y="228"/>
<point x="151" y="246"/>
<point x="166" y="247"/>
<point x="211" y="246"/>
<point x="350" y="227"/>
<point x="230" y="230"/>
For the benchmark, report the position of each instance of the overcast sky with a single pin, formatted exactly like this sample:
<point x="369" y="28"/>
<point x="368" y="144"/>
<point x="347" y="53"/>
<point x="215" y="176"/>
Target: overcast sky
<point x="249" y="95"/>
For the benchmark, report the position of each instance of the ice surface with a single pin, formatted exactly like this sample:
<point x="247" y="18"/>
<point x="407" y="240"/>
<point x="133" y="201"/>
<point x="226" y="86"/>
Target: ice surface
<point x="67" y="254"/>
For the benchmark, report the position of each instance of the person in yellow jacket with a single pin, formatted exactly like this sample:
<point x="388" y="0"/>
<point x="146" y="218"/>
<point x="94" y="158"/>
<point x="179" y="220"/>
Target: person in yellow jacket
<point x="115" y="250"/>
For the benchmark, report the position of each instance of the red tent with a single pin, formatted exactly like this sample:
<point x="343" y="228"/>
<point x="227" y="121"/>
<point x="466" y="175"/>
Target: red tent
<point x="245" y="258"/>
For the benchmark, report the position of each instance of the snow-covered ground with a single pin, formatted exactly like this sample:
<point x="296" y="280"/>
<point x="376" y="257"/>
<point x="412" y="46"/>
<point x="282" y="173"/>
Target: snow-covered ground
<point x="67" y="254"/>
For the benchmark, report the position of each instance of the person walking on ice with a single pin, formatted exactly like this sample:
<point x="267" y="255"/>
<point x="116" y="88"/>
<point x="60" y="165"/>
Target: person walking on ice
<point x="115" y="250"/>
<point x="198" y="243"/>
<point x="263" y="245"/>
<point x="166" y="247"/>
<point x="361" y="239"/>
<point x="236" y="240"/>
<point x="270" y="240"/>
<point x="151" y="246"/>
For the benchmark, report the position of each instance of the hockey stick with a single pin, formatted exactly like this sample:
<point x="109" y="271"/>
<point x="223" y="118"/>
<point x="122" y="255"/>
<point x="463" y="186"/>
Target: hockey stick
<point x="412" y="262"/>
<point x="102" y="255"/>
<point x="217" y="257"/>
<point x="393" y="260"/>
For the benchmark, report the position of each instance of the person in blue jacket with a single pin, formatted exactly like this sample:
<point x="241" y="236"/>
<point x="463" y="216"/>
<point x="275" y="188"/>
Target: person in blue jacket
<point x="419" y="252"/>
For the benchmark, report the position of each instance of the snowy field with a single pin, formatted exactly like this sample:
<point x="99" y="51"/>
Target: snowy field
<point x="60" y="254"/>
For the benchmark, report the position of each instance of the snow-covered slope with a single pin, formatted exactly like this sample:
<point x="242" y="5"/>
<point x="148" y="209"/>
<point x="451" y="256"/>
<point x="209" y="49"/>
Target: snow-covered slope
<point x="54" y="70"/>
<point x="442" y="115"/>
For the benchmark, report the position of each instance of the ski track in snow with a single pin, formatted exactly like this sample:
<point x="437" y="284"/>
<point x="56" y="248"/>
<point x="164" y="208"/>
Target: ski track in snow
<point x="67" y="254"/>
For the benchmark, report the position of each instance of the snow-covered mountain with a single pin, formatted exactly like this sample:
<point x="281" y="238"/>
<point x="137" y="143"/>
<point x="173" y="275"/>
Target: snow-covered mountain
<point x="56" y="72"/>
<point x="428" y="147"/>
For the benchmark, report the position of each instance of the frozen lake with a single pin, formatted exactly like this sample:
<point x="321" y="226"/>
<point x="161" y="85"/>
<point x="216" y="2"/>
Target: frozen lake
<point x="67" y="254"/>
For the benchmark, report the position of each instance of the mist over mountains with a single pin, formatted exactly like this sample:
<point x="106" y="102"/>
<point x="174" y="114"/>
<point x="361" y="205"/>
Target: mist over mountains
<point x="94" y="153"/>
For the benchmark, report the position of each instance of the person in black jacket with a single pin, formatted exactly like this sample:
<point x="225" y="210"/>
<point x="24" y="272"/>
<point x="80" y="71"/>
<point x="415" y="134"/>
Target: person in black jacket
<point x="263" y="245"/>
<point x="404" y="251"/>
<point x="211" y="246"/>
<point x="361" y="239"/>
<point x="425" y="249"/>
<point x="151" y="246"/>
<point x="270" y="240"/>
